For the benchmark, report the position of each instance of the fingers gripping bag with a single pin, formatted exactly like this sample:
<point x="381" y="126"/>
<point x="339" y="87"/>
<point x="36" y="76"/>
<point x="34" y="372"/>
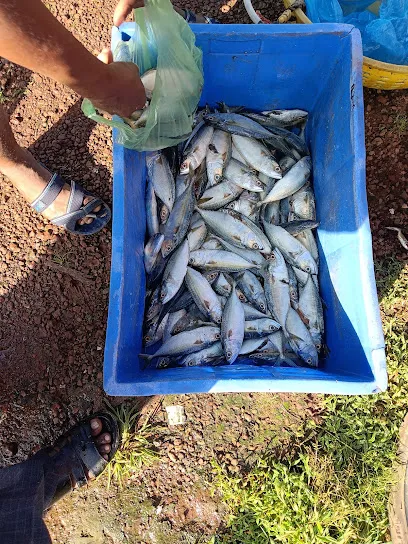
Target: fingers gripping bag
<point x="163" y="47"/>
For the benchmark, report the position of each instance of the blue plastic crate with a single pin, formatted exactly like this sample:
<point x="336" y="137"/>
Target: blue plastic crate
<point x="316" y="68"/>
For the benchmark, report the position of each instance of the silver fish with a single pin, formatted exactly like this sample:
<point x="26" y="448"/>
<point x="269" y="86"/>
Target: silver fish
<point x="401" y="238"/>
<point x="152" y="217"/>
<point x="300" y="339"/>
<point x="243" y="176"/>
<point x="258" y="156"/>
<point x="211" y="242"/>
<point x="227" y="226"/>
<point x="293" y="251"/>
<point x="301" y="276"/>
<point x="286" y="163"/>
<point x="202" y="357"/>
<point x="302" y="205"/>
<point x="260" y="327"/>
<point x="252" y="289"/>
<point x="270" y="213"/>
<point x="243" y="205"/>
<point x="299" y="225"/>
<point x="203" y="295"/>
<point x="196" y="234"/>
<point x="307" y="239"/>
<point x="291" y="182"/>
<point x="232" y="327"/>
<point x="218" y="155"/>
<point x="151" y="250"/>
<point x="223" y="285"/>
<point x="182" y="182"/>
<point x="149" y="81"/>
<point x="252" y="313"/>
<point x="237" y="124"/>
<point x="293" y="288"/>
<point x="172" y="320"/>
<point x="285" y="118"/>
<point x="277" y="287"/>
<point x="311" y="311"/>
<point x="237" y="155"/>
<point x="250" y="255"/>
<point x="174" y="273"/>
<point x="262" y="241"/>
<point x="156" y="335"/>
<point x="195" y="151"/>
<point x="219" y="195"/>
<point x="218" y="259"/>
<point x="252" y="344"/>
<point x="179" y="221"/>
<point x="187" y="342"/>
<point x="160" y="175"/>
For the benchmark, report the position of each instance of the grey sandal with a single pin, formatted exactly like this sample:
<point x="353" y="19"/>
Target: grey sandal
<point x="76" y="209"/>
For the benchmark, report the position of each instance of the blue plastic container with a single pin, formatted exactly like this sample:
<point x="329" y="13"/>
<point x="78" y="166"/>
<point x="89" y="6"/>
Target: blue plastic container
<point x="316" y="68"/>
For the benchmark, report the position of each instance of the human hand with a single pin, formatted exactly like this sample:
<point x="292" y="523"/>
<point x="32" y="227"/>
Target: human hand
<point x="123" y="8"/>
<point x="120" y="91"/>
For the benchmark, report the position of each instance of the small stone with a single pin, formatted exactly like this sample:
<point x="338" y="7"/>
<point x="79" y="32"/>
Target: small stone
<point x="172" y="457"/>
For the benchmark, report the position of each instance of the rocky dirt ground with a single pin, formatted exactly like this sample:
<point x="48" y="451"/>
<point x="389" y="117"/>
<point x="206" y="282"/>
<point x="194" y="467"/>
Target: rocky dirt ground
<point x="53" y="309"/>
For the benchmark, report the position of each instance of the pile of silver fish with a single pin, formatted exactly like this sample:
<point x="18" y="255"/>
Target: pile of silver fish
<point x="231" y="258"/>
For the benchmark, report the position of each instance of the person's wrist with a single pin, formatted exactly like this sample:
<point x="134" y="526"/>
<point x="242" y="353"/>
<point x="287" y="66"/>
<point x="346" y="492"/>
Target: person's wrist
<point x="96" y="82"/>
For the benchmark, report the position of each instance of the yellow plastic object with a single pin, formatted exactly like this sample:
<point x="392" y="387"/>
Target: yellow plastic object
<point x="376" y="74"/>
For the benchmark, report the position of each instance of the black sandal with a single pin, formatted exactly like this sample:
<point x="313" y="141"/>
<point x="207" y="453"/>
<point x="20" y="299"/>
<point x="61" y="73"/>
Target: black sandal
<point x="77" y="450"/>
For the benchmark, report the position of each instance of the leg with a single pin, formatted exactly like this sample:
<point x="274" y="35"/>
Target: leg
<point x="27" y="489"/>
<point x="26" y="174"/>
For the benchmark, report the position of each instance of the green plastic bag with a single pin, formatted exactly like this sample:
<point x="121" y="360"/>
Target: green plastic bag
<point x="162" y="40"/>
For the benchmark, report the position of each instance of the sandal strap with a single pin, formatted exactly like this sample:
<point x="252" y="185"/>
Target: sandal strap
<point x="49" y="194"/>
<point x="69" y="220"/>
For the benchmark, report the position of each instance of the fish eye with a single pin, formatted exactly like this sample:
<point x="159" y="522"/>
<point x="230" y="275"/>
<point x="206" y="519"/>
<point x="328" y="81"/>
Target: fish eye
<point x="278" y="169"/>
<point x="262" y="306"/>
<point x="272" y="256"/>
<point x="307" y="269"/>
<point x="318" y="347"/>
<point x="228" y="354"/>
<point x="259" y="183"/>
<point x="241" y="297"/>
<point x="176" y="330"/>
<point x="184" y="165"/>
<point x="309" y="360"/>
<point x="218" y="320"/>
<point x="217" y="336"/>
<point x="190" y="363"/>
<point x="256" y="246"/>
<point x="162" y="295"/>
<point x="217" y="177"/>
<point x="271" y="327"/>
<point x="191" y="260"/>
<point x="147" y="338"/>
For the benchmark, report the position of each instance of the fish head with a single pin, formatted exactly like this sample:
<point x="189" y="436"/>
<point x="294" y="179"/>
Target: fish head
<point x="164" y="213"/>
<point x="231" y="349"/>
<point x="185" y="167"/>
<point x="308" y="265"/>
<point x="309" y="354"/>
<point x="167" y="247"/>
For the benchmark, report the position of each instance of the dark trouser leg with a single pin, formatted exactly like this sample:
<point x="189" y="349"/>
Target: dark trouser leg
<point x="22" y="503"/>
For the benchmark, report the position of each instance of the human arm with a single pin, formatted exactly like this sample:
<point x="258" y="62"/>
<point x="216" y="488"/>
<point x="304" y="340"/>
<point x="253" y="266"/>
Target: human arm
<point x="32" y="37"/>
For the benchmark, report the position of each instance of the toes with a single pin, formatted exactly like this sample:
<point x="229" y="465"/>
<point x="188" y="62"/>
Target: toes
<point x="105" y="448"/>
<point x="96" y="426"/>
<point x="103" y="439"/>
<point x="105" y="457"/>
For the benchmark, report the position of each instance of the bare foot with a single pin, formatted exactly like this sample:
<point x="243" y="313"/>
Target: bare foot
<point x="30" y="178"/>
<point x="102" y="440"/>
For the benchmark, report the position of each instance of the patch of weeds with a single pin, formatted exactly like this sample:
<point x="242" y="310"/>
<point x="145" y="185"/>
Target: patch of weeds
<point x="401" y="124"/>
<point x="62" y="258"/>
<point x="135" y="450"/>
<point x="9" y="97"/>
<point x="332" y="486"/>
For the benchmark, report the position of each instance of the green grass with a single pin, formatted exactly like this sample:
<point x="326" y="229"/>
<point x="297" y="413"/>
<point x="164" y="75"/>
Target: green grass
<point x="135" y="449"/>
<point x="333" y="487"/>
<point x="401" y="124"/>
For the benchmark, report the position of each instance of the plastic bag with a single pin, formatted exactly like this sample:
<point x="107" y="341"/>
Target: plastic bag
<point x="383" y="25"/>
<point x="162" y="40"/>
